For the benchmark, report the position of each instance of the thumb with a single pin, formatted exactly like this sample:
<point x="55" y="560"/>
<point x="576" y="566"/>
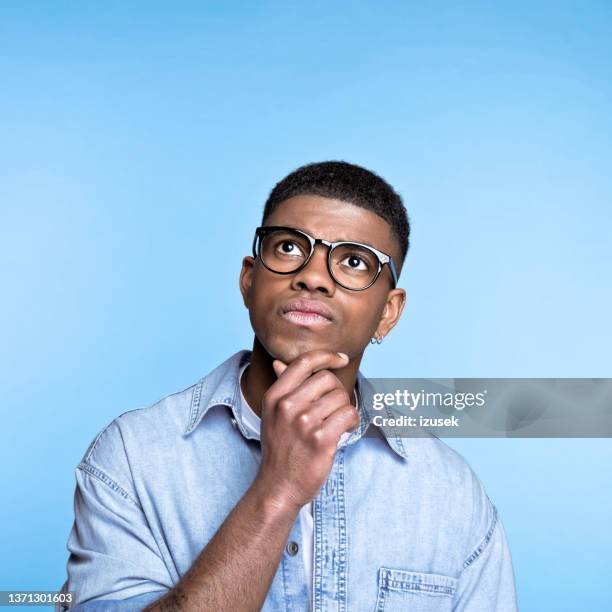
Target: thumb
<point x="279" y="366"/>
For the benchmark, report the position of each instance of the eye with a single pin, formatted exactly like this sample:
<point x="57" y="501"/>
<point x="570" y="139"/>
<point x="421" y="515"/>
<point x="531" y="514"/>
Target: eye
<point x="355" y="262"/>
<point x="289" y="247"/>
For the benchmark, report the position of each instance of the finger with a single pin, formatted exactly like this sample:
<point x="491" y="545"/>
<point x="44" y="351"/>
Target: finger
<point x="312" y="389"/>
<point x="341" y="420"/>
<point x="315" y="387"/>
<point x="318" y="411"/>
<point x="279" y="367"/>
<point x="304" y="366"/>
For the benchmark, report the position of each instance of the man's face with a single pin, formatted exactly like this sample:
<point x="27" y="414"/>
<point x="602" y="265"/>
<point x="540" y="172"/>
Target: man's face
<point x="353" y="316"/>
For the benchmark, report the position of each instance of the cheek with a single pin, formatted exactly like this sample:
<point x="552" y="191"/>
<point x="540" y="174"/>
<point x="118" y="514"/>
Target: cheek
<point x="364" y="318"/>
<point x="262" y="301"/>
<point x="362" y="326"/>
<point x="259" y="313"/>
<point x="359" y="323"/>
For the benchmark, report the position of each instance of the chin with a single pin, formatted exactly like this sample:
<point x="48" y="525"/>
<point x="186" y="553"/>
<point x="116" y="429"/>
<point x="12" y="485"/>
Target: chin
<point x="288" y="349"/>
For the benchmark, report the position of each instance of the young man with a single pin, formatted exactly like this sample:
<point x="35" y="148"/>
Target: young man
<point x="179" y="506"/>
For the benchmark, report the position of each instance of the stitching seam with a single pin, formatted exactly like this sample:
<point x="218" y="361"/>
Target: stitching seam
<point x="478" y="551"/>
<point x="101" y="476"/>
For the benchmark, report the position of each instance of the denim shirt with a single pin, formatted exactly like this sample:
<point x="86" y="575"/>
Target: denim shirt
<point x="399" y="524"/>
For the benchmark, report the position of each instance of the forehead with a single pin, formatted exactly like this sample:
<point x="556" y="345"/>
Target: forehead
<point x="334" y="220"/>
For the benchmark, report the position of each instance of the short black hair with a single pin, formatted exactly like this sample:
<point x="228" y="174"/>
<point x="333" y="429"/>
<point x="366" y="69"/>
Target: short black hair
<point x="350" y="183"/>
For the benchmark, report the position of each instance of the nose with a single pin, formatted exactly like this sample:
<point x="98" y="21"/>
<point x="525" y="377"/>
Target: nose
<point x="314" y="276"/>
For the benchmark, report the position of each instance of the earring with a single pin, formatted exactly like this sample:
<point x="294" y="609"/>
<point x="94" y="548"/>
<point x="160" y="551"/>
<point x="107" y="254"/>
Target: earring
<point x="377" y="340"/>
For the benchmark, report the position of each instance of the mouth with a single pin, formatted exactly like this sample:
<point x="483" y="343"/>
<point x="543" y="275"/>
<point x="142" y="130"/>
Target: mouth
<point x="306" y="313"/>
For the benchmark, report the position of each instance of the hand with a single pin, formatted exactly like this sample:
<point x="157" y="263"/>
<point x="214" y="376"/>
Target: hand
<point x="304" y="413"/>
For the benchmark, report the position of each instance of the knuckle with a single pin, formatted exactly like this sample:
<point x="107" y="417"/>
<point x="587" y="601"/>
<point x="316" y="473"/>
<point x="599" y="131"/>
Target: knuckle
<point x="317" y="438"/>
<point x="350" y="413"/>
<point x="328" y="378"/>
<point x="285" y="405"/>
<point x="303" y="421"/>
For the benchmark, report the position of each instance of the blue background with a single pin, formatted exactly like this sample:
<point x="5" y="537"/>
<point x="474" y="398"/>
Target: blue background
<point x="139" y="142"/>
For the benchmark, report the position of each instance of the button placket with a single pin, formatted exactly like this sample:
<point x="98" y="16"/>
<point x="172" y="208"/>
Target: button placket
<point x="329" y="572"/>
<point x="295" y="585"/>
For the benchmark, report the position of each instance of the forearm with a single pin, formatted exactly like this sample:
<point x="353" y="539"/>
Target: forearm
<point x="236" y="568"/>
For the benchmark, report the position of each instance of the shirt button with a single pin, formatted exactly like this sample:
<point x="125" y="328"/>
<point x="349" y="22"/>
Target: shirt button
<point x="292" y="548"/>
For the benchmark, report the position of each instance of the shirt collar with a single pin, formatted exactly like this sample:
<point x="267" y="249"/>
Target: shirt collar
<point x="221" y="388"/>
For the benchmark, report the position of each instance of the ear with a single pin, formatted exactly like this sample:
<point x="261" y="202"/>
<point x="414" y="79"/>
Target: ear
<point x="396" y="300"/>
<point x="246" y="279"/>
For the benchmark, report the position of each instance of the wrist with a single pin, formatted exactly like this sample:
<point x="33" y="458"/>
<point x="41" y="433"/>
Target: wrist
<point x="275" y="502"/>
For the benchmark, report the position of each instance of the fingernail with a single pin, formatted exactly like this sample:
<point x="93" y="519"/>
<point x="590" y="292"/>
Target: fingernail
<point x="279" y="366"/>
<point x="343" y="355"/>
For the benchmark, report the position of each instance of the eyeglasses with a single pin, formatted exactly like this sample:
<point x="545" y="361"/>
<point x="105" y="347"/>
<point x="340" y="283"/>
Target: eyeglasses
<point x="352" y="265"/>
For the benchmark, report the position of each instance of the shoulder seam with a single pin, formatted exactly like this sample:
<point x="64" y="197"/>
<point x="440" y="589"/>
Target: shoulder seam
<point x="107" y="480"/>
<point x="92" y="446"/>
<point x="480" y="548"/>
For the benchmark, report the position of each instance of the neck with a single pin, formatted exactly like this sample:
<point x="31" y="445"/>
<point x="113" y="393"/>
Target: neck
<point x="259" y="376"/>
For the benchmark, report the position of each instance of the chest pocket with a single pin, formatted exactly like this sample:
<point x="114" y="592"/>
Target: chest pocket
<point x="404" y="591"/>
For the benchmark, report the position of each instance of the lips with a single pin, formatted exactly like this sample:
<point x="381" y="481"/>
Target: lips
<point x="309" y="306"/>
<point x="306" y="311"/>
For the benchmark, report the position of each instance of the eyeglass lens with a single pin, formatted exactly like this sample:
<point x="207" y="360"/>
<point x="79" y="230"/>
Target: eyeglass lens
<point x="352" y="265"/>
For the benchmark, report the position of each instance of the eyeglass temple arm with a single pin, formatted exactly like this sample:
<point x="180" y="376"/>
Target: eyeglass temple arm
<point x="393" y="270"/>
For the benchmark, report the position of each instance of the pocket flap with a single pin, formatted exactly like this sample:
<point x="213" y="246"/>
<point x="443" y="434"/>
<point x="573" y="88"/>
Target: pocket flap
<point x="404" y="580"/>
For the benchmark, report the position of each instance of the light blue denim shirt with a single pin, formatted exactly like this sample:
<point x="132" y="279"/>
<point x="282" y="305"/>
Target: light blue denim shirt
<point x="400" y="523"/>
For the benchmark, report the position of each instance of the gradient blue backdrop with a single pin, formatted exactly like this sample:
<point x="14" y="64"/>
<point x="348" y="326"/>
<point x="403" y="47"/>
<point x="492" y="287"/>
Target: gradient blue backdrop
<point x="138" y="143"/>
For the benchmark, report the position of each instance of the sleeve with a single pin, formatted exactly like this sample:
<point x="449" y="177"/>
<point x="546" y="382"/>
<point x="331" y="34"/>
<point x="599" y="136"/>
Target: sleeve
<point x="113" y="554"/>
<point x="487" y="580"/>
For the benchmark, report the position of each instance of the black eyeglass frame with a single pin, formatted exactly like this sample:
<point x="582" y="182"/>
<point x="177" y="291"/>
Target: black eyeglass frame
<point x="262" y="231"/>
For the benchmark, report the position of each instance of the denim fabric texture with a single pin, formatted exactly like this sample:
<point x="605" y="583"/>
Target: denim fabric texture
<point x="400" y="524"/>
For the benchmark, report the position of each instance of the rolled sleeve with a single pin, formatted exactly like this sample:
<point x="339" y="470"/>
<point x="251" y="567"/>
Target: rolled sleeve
<point x="487" y="580"/>
<point x="114" y="557"/>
